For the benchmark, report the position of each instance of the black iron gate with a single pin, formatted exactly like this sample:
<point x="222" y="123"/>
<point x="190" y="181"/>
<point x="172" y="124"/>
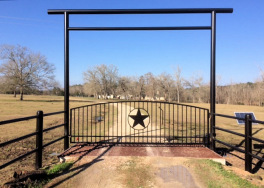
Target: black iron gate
<point x="139" y="122"/>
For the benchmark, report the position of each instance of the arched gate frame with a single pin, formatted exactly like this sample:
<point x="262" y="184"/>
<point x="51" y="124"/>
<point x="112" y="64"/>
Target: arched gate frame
<point x="212" y="27"/>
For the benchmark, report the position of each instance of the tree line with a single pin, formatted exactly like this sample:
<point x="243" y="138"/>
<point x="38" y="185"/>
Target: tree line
<point x="26" y="72"/>
<point x="103" y="81"/>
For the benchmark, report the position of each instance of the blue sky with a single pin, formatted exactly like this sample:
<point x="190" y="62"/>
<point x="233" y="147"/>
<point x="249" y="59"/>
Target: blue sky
<point x="240" y="37"/>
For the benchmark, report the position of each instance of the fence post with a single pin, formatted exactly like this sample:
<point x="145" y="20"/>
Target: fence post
<point x="39" y="139"/>
<point x="212" y="132"/>
<point x="248" y="142"/>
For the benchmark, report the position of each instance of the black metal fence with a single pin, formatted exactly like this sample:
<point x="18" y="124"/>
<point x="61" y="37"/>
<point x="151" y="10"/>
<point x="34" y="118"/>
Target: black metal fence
<point x="139" y="122"/>
<point x="250" y="153"/>
<point x="39" y="137"/>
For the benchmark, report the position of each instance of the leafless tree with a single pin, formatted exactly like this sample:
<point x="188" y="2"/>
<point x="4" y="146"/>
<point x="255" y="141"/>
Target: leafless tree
<point x="102" y="79"/>
<point x="179" y="82"/>
<point x="166" y="84"/>
<point x="25" y="69"/>
<point x="195" y="85"/>
<point x="124" y="85"/>
<point x="151" y="86"/>
<point x="140" y="87"/>
<point x="76" y="90"/>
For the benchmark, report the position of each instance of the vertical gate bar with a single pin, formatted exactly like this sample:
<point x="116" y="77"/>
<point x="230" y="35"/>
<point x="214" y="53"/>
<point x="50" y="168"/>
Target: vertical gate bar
<point x="169" y="121"/>
<point x="142" y="131"/>
<point x="133" y="130"/>
<point x="156" y="135"/>
<point x="178" y="122"/>
<point x="212" y="77"/>
<point x="138" y="135"/>
<point x="160" y="122"/>
<point x="199" y="125"/>
<point x="248" y="142"/>
<point x="182" y="124"/>
<point x="173" y="123"/>
<point x="82" y="124"/>
<point x="149" y="120"/>
<point x="91" y="124"/>
<point x="108" y="122"/>
<point x="78" y="124"/>
<point x="204" y="127"/>
<point x="39" y="139"/>
<point x="117" y="122"/>
<point x="87" y="129"/>
<point x="74" y="130"/>
<point x="121" y="121"/>
<point x="66" y="80"/>
<point x="126" y="122"/>
<point x="113" y="122"/>
<point x="151" y="103"/>
<point x="191" y="123"/>
<point x="164" y="119"/>
<point x="195" y="124"/>
<point x="70" y="125"/>
<point x="130" y="105"/>
<point x="95" y="123"/>
<point x="100" y="119"/>
<point x="186" y="124"/>
<point x="104" y="123"/>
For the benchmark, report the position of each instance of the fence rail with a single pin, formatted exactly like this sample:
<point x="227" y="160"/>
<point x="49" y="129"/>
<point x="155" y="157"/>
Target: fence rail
<point x="39" y="137"/>
<point x="171" y="123"/>
<point x="247" y="136"/>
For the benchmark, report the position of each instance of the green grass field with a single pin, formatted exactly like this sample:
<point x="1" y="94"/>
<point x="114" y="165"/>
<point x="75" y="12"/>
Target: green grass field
<point x="11" y="108"/>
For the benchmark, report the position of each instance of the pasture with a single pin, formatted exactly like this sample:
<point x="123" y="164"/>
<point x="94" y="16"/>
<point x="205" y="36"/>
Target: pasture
<point x="11" y="108"/>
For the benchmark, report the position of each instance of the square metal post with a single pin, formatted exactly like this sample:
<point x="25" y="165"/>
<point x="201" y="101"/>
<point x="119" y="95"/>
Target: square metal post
<point x="212" y="80"/>
<point x="39" y="139"/>
<point x="66" y="80"/>
<point x="248" y="142"/>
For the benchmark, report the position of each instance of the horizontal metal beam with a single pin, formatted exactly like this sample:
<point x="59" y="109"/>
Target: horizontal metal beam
<point x="53" y="113"/>
<point x="17" y="159"/>
<point x="137" y="28"/>
<point x="17" y="139"/>
<point x="140" y="11"/>
<point x="17" y="120"/>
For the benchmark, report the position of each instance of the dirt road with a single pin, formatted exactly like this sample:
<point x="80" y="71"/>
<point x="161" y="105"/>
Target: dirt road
<point x="123" y="126"/>
<point x="114" y="172"/>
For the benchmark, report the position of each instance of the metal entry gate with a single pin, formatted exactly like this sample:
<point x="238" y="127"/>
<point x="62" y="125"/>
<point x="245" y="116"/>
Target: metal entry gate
<point x="139" y="122"/>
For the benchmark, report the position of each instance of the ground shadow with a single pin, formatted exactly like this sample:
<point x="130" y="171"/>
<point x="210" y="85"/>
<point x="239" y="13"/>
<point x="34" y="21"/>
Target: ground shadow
<point x="258" y="165"/>
<point x="77" y="170"/>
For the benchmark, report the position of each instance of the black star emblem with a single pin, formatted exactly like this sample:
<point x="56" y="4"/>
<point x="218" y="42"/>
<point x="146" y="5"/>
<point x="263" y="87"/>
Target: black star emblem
<point x="139" y="119"/>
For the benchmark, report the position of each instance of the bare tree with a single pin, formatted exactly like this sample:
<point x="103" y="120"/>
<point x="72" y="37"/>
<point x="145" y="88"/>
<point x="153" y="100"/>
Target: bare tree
<point x="124" y="84"/>
<point x="179" y="82"/>
<point x="151" y="86"/>
<point x="25" y="69"/>
<point x="102" y="79"/>
<point x="195" y="85"/>
<point x="76" y="90"/>
<point x="166" y="84"/>
<point x="140" y="87"/>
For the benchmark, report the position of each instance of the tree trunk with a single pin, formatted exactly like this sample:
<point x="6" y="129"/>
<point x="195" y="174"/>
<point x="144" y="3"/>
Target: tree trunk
<point x="21" y="94"/>
<point x="14" y="93"/>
